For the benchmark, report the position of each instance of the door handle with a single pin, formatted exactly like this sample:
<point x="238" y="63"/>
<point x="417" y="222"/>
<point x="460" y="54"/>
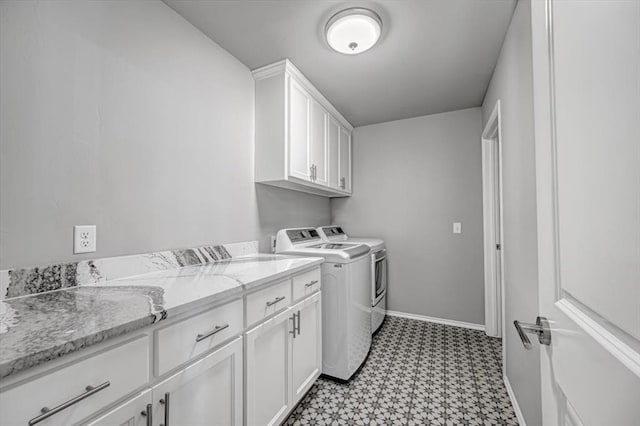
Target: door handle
<point x="293" y="326"/>
<point x="165" y="401"/>
<point x="541" y="328"/>
<point x="148" y="414"/>
<point x="298" y="327"/>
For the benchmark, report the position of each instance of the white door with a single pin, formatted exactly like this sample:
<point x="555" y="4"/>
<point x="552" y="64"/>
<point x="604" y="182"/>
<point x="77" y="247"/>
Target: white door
<point x="345" y="160"/>
<point x="333" y="148"/>
<point x="135" y="412"/>
<point x="268" y="370"/>
<point x="299" y="166"/>
<point x="208" y="392"/>
<point x="586" y="57"/>
<point x="318" y="142"/>
<point x="307" y="346"/>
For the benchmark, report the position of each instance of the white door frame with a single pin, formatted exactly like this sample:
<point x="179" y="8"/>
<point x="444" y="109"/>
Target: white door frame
<point x="493" y="282"/>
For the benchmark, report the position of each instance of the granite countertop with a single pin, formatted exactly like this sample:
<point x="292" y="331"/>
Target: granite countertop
<point x="45" y="326"/>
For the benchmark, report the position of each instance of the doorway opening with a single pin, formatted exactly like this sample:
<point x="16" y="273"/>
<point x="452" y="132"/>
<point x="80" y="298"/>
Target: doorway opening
<point x="492" y="224"/>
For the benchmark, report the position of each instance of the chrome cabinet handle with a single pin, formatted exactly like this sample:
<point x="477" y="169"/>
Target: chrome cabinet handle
<point x="216" y="329"/>
<point x="309" y="284"/>
<point x="343" y="183"/>
<point x="165" y="401"/>
<point x="293" y="326"/>
<point x="276" y="300"/>
<point x="541" y="328"/>
<point x="48" y="412"/>
<point x="296" y="328"/>
<point x="311" y="172"/>
<point x="148" y="413"/>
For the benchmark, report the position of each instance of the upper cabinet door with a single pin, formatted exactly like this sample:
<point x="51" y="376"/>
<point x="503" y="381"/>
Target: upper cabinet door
<point x="299" y="100"/>
<point x="318" y="142"/>
<point x="345" y="160"/>
<point x="333" y="148"/>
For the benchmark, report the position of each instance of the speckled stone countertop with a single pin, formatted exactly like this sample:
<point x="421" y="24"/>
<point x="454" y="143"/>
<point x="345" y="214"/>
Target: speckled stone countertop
<point x="45" y="326"/>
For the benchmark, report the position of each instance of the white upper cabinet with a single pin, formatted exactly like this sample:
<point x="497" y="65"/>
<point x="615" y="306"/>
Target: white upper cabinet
<point x="345" y="160"/>
<point x="298" y="135"/>
<point x="333" y="148"/>
<point x="299" y="149"/>
<point x="318" y="142"/>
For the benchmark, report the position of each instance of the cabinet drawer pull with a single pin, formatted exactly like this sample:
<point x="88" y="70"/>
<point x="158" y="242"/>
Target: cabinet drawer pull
<point x="48" y="412"/>
<point x="216" y="329"/>
<point x="148" y="413"/>
<point x="311" y="283"/>
<point x="276" y="300"/>
<point x="165" y="401"/>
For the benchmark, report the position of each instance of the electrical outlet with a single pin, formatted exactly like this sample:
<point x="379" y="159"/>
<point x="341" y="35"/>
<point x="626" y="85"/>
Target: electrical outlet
<point x="457" y="227"/>
<point x="84" y="239"/>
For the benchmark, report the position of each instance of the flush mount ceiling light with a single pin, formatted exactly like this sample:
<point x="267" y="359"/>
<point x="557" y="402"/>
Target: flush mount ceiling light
<point x="354" y="30"/>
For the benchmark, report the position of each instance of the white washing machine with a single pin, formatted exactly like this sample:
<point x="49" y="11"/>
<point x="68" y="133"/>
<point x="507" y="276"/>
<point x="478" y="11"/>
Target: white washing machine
<point x="346" y="307"/>
<point x="378" y="269"/>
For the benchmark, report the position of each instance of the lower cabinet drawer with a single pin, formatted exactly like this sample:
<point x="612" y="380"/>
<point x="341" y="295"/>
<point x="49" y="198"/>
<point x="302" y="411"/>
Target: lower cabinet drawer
<point x="184" y="340"/>
<point x="305" y="284"/>
<point x="267" y="302"/>
<point x="77" y="391"/>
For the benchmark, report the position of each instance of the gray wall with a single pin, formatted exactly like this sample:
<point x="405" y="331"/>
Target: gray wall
<point x="512" y="83"/>
<point x="411" y="180"/>
<point x="123" y="115"/>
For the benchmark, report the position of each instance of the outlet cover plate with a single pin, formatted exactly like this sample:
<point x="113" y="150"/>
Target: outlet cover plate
<point x="457" y="227"/>
<point x="84" y="239"/>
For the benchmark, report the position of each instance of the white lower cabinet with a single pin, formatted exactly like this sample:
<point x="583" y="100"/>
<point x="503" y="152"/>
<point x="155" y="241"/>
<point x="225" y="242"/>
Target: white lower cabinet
<point x="135" y="412"/>
<point x="283" y="357"/>
<point x="307" y="346"/>
<point x="73" y="392"/>
<point x="208" y="392"/>
<point x="267" y="360"/>
<point x="255" y="378"/>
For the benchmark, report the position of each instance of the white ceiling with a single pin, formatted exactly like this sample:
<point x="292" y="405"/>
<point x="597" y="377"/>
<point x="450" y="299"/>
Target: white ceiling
<point x="434" y="55"/>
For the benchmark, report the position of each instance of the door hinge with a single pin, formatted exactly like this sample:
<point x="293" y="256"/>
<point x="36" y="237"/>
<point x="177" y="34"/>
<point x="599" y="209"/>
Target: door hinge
<point x="498" y="247"/>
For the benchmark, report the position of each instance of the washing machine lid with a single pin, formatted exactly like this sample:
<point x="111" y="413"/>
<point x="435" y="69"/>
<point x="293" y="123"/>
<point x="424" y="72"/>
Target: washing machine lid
<point x="336" y="233"/>
<point x="332" y="252"/>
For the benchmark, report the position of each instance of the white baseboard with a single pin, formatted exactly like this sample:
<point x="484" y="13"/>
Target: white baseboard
<point x="437" y="320"/>
<point x="514" y="401"/>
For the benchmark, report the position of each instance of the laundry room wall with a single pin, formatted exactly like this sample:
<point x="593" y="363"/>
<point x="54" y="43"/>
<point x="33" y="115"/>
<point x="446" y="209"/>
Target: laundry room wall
<point x="124" y="115"/>
<point x="411" y="180"/>
<point x="512" y="83"/>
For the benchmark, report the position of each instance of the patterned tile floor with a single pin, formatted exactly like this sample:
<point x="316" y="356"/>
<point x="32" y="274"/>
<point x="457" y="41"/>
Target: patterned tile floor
<point x="418" y="373"/>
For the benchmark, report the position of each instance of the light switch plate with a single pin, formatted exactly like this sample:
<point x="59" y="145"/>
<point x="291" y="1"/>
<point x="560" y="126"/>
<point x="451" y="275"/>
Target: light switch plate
<point x="84" y="239"/>
<point x="457" y="227"/>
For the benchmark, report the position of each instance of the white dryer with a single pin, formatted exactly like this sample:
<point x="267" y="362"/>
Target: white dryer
<point x="346" y="307"/>
<point x="378" y="269"/>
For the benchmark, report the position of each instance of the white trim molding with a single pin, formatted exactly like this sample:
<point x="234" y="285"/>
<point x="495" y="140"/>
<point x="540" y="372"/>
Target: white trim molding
<point x="491" y="141"/>
<point x="514" y="401"/>
<point x="444" y="321"/>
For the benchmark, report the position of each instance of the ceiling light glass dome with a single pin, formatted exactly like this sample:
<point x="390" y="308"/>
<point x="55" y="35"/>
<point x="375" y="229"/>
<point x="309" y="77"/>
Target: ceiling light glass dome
<point x="353" y="30"/>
